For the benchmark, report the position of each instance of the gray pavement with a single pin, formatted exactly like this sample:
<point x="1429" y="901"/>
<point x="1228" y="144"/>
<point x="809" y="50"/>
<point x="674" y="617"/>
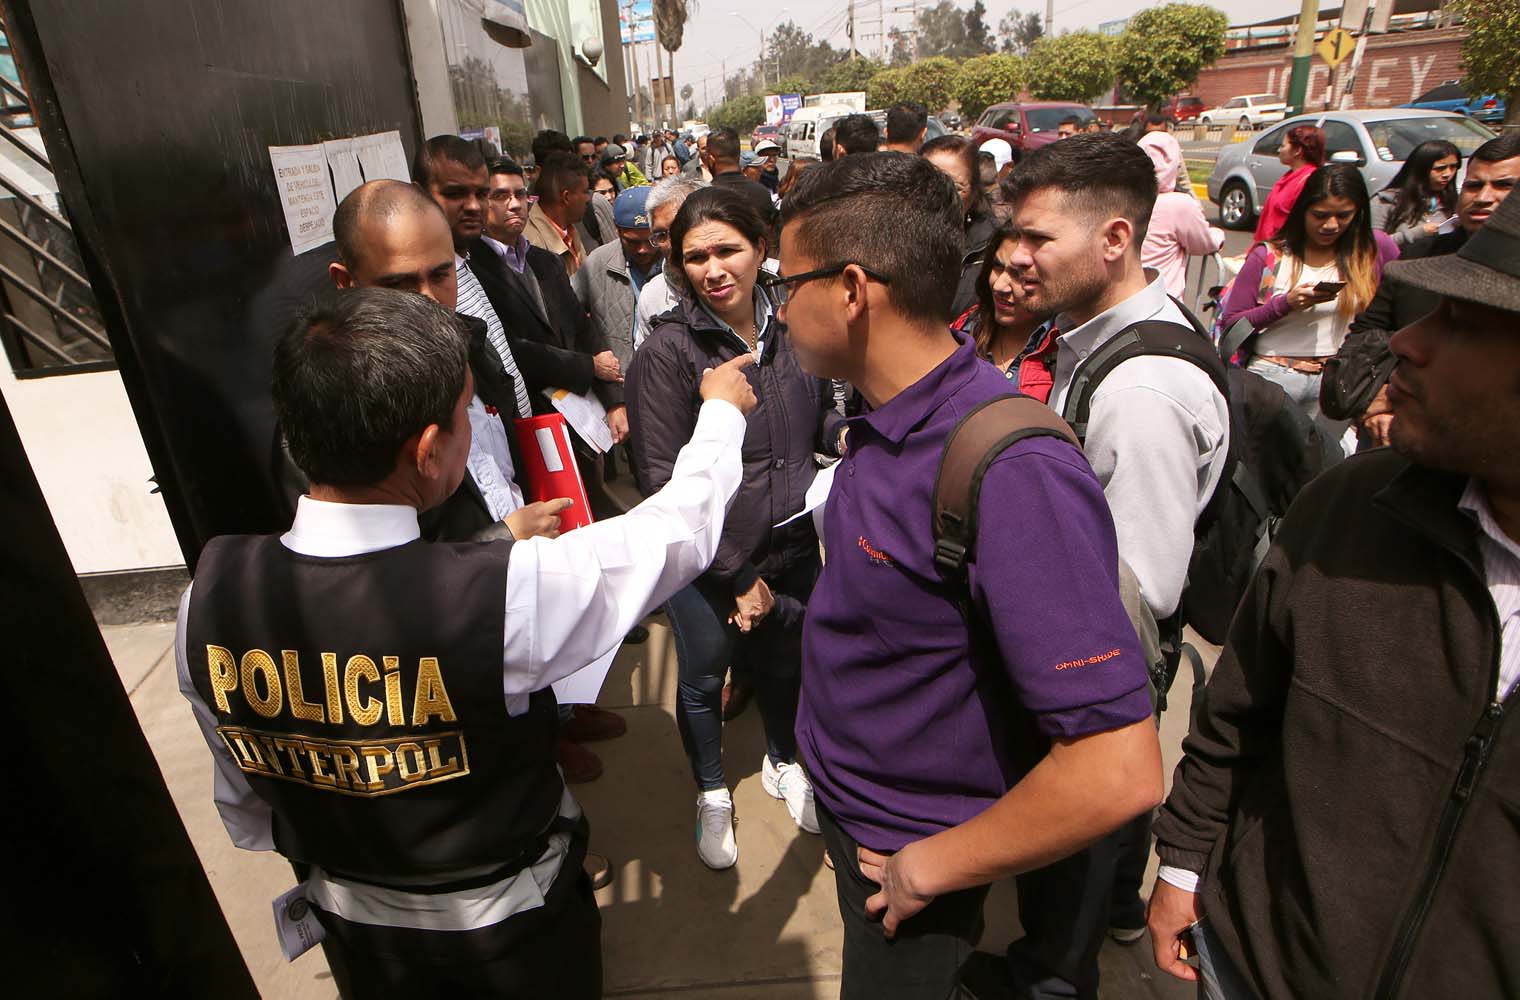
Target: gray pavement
<point x="767" y="928"/>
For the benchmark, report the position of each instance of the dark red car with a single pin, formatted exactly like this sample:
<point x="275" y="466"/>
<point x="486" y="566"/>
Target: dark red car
<point x="1184" y="109"/>
<point x="1027" y="126"/>
<point x="771" y="132"/>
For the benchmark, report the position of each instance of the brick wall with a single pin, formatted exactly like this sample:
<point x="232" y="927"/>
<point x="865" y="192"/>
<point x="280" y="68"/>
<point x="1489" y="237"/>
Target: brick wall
<point x="1395" y="69"/>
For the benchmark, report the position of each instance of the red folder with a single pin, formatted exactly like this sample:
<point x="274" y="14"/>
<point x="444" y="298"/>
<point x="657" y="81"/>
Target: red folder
<point x="549" y="461"/>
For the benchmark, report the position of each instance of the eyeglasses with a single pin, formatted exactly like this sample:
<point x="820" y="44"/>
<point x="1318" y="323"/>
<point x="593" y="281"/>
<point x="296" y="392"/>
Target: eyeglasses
<point x="781" y="287"/>
<point x="659" y="238"/>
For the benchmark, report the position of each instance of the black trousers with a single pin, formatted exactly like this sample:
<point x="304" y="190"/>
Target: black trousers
<point x="1064" y="910"/>
<point x="923" y="962"/>
<point x="554" y="950"/>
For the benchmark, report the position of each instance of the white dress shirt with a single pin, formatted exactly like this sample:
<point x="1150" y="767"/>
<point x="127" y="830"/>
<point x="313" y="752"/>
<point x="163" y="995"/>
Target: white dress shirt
<point x="490" y="460"/>
<point x="1157" y="437"/>
<point x="568" y="601"/>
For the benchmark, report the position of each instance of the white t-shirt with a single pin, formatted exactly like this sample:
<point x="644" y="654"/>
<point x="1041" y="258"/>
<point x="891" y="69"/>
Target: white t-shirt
<point x="1305" y="333"/>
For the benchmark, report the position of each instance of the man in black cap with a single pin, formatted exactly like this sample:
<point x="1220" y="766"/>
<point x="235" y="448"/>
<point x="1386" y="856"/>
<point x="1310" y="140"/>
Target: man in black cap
<point x="1343" y="822"/>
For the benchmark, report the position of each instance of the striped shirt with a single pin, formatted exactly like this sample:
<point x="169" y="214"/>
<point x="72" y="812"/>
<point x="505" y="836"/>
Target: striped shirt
<point x="1501" y="565"/>
<point x="473" y="302"/>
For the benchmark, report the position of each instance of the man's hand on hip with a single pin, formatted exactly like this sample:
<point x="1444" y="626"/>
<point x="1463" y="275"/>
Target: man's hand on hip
<point x="899" y="898"/>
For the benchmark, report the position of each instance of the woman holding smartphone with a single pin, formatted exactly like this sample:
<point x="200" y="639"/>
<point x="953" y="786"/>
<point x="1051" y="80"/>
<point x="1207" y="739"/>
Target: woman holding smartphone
<point x="1422" y="195"/>
<point x="1300" y="292"/>
<point x="746" y="610"/>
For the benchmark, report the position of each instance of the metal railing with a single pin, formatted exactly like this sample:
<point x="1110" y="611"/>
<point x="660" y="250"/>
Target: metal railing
<point x="49" y="318"/>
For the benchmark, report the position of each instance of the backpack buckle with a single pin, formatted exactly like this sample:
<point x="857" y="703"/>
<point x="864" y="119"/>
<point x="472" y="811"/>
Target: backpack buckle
<point x="950" y="557"/>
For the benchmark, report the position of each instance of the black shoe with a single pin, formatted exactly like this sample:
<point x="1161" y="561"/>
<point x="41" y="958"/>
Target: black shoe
<point x="636" y="635"/>
<point x="984" y="976"/>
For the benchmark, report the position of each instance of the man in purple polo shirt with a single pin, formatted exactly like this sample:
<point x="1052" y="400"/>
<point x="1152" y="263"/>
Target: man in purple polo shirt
<point x="941" y="764"/>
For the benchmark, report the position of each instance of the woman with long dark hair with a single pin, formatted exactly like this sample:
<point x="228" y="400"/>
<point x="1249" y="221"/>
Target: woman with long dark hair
<point x="747" y="608"/>
<point x="1422" y="195"/>
<point x="998" y="323"/>
<point x="1300" y="292"/>
<point x="956" y="157"/>
<point x="1302" y="151"/>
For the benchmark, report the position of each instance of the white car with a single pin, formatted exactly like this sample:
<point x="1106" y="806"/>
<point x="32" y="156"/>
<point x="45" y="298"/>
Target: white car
<point x="1250" y="111"/>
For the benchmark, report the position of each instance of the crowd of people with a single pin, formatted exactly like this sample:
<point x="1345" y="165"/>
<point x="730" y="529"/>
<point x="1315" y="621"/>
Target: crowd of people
<point x="947" y="700"/>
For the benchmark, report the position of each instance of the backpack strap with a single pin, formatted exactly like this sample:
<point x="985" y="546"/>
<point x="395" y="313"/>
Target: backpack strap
<point x="1148" y="338"/>
<point x="976" y="440"/>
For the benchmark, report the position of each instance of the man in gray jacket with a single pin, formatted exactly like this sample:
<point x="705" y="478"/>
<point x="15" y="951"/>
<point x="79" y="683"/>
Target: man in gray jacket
<point x="609" y="282"/>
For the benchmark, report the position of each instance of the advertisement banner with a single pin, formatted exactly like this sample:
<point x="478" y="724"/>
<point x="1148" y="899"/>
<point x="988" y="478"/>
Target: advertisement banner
<point x="637" y="21"/>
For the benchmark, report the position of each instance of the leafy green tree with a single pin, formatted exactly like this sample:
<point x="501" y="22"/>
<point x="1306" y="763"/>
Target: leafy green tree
<point x="1163" y="49"/>
<point x="848" y="75"/>
<point x="1018" y="31"/>
<point x="790" y="85"/>
<point x="929" y="82"/>
<point x="985" y="81"/>
<point x="1488" y="52"/>
<point x="741" y="114"/>
<point x="887" y="87"/>
<point x="979" y="40"/>
<point x="1074" y="67"/>
<point x="790" y="51"/>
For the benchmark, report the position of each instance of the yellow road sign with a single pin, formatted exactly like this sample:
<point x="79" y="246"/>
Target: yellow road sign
<point x="1336" y="46"/>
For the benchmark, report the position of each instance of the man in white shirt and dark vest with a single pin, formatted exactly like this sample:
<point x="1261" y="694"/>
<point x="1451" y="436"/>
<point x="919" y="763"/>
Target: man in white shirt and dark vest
<point x="378" y="707"/>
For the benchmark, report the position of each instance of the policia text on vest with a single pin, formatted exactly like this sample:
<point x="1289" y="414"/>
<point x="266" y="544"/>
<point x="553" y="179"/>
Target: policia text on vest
<point x="376" y="766"/>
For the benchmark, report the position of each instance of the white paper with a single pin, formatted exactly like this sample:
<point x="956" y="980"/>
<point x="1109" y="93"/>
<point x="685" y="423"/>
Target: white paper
<point x="1450" y="225"/>
<point x="817" y="493"/>
<point x="585" y="414"/>
<point x="549" y="449"/>
<point x="382" y="155"/>
<point x="296" y="923"/>
<point x="345" y="166"/>
<point x="306" y="194"/>
<point x="583" y="686"/>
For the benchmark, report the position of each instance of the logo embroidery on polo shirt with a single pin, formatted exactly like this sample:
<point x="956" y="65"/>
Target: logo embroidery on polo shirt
<point x="878" y="557"/>
<point x="1087" y="661"/>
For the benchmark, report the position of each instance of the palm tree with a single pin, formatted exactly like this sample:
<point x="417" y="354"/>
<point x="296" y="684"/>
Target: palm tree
<point x="669" y="23"/>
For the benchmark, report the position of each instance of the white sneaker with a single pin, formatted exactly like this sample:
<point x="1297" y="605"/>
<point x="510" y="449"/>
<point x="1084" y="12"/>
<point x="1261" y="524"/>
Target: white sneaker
<point x="788" y="783"/>
<point x="716" y="845"/>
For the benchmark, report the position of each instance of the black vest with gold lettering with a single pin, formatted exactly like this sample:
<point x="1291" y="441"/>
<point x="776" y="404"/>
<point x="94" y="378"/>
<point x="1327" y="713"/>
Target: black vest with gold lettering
<point x="362" y="698"/>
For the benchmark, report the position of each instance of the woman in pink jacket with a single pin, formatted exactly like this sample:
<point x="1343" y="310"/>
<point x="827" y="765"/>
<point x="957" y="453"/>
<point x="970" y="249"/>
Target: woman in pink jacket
<point x="1302" y="152"/>
<point x="1177" y="228"/>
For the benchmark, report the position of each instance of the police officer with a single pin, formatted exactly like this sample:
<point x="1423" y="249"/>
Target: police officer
<point x="378" y="707"/>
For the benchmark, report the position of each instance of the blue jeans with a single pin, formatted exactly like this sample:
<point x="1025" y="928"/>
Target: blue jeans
<point x="769" y="656"/>
<point x="1218" y="979"/>
<point x="1303" y="389"/>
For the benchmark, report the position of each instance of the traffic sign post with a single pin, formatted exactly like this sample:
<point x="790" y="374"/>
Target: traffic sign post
<point x="1336" y="47"/>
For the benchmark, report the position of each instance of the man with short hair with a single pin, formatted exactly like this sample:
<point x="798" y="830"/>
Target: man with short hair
<point x="856" y="134"/>
<point x="1096" y="125"/>
<point x="826" y="145"/>
<point x="613" y="276"/>
<point x="658" y="296"/>
<point x="442" y="849"/>
<point x="652" y="152"/>
<point x="564" y="195"/>
<point x="697" y="166"/>
<point x="954" y="734"/>
<point x="1068" y="127"/>
<point x="1342" y="822"/>
<point x="1157" y="437"/>
<point x="725" y="160"/>
<point x="585" y="148"/>
<point x="907" y="124"/>
<point x="1354" y="386"/>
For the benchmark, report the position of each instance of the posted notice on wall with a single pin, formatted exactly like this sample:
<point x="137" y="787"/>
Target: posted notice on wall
<point x="382" y="155"/>
<point x="345" y="166"/>
<point x="306" y="194"/>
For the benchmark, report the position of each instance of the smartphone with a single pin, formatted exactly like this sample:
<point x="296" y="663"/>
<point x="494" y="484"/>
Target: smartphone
<point x="1329" y="287"/>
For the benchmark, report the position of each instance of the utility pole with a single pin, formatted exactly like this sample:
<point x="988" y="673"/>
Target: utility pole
<point x="881" y="31"/>
<point x="1050" y="16"/>
<point x="850" y="8"/>
<point x="631" y="59"/>
<point x="1303" y="52"/>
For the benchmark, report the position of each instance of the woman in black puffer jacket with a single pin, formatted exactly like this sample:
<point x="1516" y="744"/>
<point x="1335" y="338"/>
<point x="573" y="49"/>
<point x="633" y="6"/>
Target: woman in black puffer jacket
<point x="747" y="608"/>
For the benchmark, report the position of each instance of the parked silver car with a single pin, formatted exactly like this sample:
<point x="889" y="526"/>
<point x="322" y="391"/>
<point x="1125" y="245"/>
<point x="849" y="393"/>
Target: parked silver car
<point x="1376" y="141"/>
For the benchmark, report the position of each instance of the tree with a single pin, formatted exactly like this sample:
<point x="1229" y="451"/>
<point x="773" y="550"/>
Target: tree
<point x="790" y="51"/>
<point x="670" y="18"/>
<point x="686" y="92"/>
<point x="986" y="80"/>
<point x="848" y="75"/>
<point x="1488" y="52"/>
<point x="790" y="85"/>
<point x="741" y="114"/>
<point x="1019" y="31"/>
<point x="978" y="35"/>
<point x="1163" y="49"/>
<point x="887" y="87"/>
<point x="929" y="82"/>
<point x="1074" y="67"/>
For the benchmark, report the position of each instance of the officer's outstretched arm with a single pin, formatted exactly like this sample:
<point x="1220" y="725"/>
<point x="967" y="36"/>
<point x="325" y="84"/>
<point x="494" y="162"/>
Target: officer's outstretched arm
<point x="572" y="598"/>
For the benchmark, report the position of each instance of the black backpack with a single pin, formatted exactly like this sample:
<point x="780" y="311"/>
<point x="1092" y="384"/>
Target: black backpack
<point x="1274" y="451"/>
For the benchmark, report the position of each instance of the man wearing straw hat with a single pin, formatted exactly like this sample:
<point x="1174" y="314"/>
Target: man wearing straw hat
<point x="1343" y="822"/>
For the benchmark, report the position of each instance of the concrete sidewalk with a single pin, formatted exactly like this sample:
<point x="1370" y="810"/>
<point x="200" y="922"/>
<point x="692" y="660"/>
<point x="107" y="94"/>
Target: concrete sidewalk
<point x="769" y="927"/>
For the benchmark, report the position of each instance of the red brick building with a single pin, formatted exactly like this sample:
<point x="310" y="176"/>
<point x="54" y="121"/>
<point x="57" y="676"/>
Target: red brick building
<point x="1396" y="68"/>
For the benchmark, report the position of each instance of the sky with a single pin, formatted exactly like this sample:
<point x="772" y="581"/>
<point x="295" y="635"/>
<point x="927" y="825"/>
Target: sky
<point x="714" y="33"/>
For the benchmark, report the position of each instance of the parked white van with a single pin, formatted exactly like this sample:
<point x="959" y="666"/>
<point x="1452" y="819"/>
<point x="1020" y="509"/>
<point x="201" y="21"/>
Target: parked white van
<point x="808" y="124"/>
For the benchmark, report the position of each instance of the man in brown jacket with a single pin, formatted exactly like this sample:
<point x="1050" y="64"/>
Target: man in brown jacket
<point x="1344" y="821"/>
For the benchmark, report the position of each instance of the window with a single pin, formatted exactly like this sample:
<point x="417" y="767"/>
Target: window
<point x="1046" y="119"/>
<point x="1235" y="102"/>
<point x="1340" y="137"/>
<point x="999" y="119"/>
<point x="1445" y="92"/>
<point x="1268" y="144"/>
<point x="1395" y="139"/>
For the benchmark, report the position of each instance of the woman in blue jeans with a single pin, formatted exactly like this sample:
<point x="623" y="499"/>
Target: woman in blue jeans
<point x="1301" y="291"/>
<point x="746" y="610"/>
